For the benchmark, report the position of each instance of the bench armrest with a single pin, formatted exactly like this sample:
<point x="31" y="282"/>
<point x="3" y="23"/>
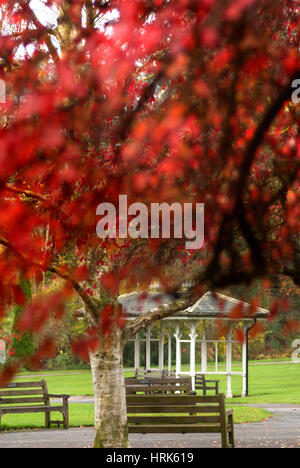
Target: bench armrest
<point x="229" y="412"/>
<point x="51" y="395"/>
<point x="215" y="381"/>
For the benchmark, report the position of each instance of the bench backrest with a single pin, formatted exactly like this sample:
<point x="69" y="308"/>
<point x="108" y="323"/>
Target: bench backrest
<point x="199" y="381"/>
<point x="163" y="410"/>
<point x="159" y="385"/>
<point x="169" y="373"/>
<point x="142" y="373"/>
<point x="24" y="393"/>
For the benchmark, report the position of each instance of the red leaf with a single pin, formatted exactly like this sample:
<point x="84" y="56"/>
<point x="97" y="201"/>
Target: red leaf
<point x="237" y="311"/>
<point x="47" y="349"/>
<point x="254" y="304"/>
<point x="19" y="296"/>
<point x="106" y="319"/>
<point x="256" y="330"/>
<point x="80" y="349"/>
<point x="291" y="326"/>
<point x="110" y="283"/>
<point x="81" y="273"/>
<point x="209" y="37"/>
<point x="222" y="59"/>
<point x="273" y="310"/>
<point x="36" y="314"/>
<point x="2" y="311"/>
<point x="237" y="8"/>
<point x="81" y="346"/>
<point x="239" y="335"/>
<point x="8" y="374"/>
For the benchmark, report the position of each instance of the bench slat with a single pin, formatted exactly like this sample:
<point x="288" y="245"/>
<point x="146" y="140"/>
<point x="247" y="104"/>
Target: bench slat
<point x="174" y="399"/>
<point x="24" y="384"/>
<point x="20" y="393"/>
<point x="150" y="380"/>
<point x="29" y="409"/>
<point x="181" y="429"/>
<point x="174" y="419"/>
<point x="167" y="380"/>
<point x="157" y="388"/>
<point x="27" y="400"/>
<point x="137" y="409"/>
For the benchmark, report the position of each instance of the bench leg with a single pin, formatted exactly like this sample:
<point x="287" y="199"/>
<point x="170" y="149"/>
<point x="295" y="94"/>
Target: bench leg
<point x="66" y="421"/>
<point x="65" y="414"/>
<point x="231" y="431"/>
<point x="47" y="419"/>
<point x="224" y="437"/>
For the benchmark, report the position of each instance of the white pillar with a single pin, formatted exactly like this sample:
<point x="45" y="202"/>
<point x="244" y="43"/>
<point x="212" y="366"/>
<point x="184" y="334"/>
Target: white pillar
<point x="137" y="352"/>
<point x="229" y="363"/>
<point x="148" y="348"/>
<point x="216" y="356"/>
<point x="193" y="335"/>
<point x="204" y="351"/>
<point x="244" y="362"/>
<point x="169" y="351"/>
<point x="178" y="350"/>
<point x="161" y="348"/>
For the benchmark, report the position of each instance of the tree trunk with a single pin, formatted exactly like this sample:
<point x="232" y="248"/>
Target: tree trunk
<point x="109" y="392"/>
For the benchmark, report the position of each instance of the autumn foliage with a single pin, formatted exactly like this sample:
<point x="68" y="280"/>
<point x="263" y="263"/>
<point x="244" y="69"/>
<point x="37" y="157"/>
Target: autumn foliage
<point x="162" y="100"/>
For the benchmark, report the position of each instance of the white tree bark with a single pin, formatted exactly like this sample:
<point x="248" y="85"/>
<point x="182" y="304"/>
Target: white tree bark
<point x="110" y="396"/>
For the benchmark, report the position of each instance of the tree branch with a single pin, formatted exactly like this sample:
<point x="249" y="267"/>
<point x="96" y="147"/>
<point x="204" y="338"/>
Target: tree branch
<point x="238" y="212"/>
<point x="40" y="27"/>
<point x="145" y="320"/>
<point x="28" y="193"/>
<point x="90" y="302"/>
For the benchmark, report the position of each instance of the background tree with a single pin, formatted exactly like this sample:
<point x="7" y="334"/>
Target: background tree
<point x="22" y="343"/>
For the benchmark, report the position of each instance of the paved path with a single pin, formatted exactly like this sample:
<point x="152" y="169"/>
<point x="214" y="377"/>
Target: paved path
<point x="281" y="431"/>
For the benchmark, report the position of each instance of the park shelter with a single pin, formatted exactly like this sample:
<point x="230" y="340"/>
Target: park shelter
<point x="211" y="306"/>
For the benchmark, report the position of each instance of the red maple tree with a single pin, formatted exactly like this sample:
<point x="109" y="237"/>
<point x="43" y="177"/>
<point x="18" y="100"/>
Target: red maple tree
<point x="162" y="100"/>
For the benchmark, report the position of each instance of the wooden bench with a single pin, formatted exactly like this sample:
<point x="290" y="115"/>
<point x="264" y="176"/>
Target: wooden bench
<point x="157" y="385"/>
<point x="32" y="397"/>
<point x="180" y="414"/>
<point x="201" y="383"/>
<point x="143" y="373"/>
<point x="169" y="373"/>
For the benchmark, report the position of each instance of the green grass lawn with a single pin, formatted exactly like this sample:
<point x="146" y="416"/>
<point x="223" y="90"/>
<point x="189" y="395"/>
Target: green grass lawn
<point x="273" y="383"/>
<point x="268" y="383"/>
<point x="79" y="415"/>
